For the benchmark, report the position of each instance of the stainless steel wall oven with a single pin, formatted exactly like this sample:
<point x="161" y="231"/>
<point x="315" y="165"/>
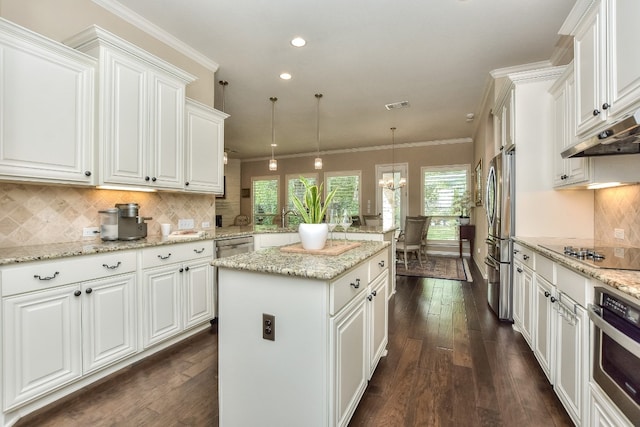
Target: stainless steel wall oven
<point x="616" y="350"/>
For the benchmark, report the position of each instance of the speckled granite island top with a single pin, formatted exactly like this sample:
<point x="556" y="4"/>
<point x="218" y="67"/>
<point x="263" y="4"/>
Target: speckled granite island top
<point x="324" y="267"/>
<point x="623" y="280"/>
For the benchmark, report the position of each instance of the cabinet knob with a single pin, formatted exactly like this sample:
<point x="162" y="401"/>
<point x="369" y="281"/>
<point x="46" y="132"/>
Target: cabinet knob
<point x="546" y="294"/>
<point x="77" y="293"/>
<point x="553" y="299"/>
<point x="596" y="112"/>
<point x="186" y="183"/>
<point x="154" y="179"/>
<point x="374" y="293"/>
<point x="89" y="290"/>
<point x="356" y="285"/>
<point x="605" y="106"/>
<point x="181" y="270"/>
<point x="381" y="263"/>
<point x="525" y="257"/>
<point x="370" y="297"/>
<point x="186" y="269"/>
<point x="87" y="173"/>
<point x="147" y="178"/>
<point x="519" y="270"/>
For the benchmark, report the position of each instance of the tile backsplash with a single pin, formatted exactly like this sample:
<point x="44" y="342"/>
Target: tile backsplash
<point x="618" y="207"/>
<point x="36" y="214"/>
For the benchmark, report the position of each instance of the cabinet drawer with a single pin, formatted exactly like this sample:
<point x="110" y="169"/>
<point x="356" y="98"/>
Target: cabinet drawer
<point x="545" y="268"/>
<point x="348" y="286"/>
<point x="378" y="264"/>
<point x="574" y="285"/>
<point x="48" y="274"/>
<point x="170" y="254"/>
<point x="524" y="255"/>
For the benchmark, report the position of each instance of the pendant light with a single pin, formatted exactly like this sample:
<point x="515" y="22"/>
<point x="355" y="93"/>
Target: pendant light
<point x="317" y="163"/>
<point x="273" y="163"/>
<point x="390" y="183"/>
<point x="224" y="83"/>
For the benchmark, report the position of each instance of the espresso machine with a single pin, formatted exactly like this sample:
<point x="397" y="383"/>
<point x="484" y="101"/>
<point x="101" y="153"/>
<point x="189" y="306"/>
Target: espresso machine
<point x="131" y="226"/>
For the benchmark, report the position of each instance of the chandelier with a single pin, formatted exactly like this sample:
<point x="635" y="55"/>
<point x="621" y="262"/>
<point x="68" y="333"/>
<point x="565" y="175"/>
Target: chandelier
<point x="390" y="184"/>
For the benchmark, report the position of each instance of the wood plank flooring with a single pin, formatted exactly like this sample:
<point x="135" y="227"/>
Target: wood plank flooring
<point x="450" y="363"/>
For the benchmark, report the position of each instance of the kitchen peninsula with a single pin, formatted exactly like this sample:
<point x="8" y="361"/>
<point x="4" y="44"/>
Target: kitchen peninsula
<point x="300" y="334"/>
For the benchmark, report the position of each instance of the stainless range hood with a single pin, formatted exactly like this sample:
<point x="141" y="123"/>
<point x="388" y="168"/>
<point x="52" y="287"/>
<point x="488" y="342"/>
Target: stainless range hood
<point x="621" y="138"/>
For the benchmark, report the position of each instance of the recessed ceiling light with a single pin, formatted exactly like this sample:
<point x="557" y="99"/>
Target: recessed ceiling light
<point x="395" y="105"/>
<point x="298" y="42"/>
<point x="285" y="76"/>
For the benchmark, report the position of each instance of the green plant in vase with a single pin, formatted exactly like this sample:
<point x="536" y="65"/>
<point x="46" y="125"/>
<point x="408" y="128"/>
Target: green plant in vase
<point x="312" y="209"/>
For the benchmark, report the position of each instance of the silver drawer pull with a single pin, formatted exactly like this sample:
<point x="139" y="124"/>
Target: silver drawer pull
<point x="164" y="257"/>
<point x="356" y="285"/>
<point x="112" y="267"/>
<point x="37" y="276"/>
<point x="198" y="251"/>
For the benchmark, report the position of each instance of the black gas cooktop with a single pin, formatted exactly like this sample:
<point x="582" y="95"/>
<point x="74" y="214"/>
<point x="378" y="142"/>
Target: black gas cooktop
<point x="620" y="258"/>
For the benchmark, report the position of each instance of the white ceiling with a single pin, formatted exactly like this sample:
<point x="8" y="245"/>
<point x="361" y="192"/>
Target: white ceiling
<point x="361" y="55"/>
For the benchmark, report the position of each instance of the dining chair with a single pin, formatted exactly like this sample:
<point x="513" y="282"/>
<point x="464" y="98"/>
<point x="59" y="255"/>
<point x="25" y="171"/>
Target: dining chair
<point x="410" y="239"/>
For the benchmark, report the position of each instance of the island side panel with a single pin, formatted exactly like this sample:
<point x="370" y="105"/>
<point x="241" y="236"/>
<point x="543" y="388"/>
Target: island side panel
<point x="279" y="382"/>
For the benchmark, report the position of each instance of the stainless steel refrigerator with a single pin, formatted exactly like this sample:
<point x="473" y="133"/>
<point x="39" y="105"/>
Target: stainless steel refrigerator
<point x="500" y="202"/>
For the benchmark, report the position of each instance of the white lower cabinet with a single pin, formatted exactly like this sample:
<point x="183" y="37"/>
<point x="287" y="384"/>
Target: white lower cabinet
<point x="177" y="290"/>
<point x="55" y="331"/>
<point x="545" y="329"/>
<point x="522" y="299"/>
<point x="603" y="413"/>
<point x="572" y="357"/>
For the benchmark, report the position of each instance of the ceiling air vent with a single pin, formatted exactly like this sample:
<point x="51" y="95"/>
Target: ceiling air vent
<point x="396" y="105"/>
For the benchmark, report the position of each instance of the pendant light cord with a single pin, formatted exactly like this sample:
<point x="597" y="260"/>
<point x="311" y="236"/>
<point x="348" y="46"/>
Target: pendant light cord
<point x="318" y="96"/>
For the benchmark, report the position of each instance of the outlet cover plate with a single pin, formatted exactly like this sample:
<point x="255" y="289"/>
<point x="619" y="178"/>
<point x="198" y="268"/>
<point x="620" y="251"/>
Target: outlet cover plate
<point x="186" y="224"/>
<point x="90" y="231"/>
<point x="618" y="233"/>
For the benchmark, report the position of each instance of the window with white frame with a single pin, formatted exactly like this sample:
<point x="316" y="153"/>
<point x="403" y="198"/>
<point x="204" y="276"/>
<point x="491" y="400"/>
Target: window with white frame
<point x="265" y="198"/>
<point x="295" y="186"/>
<point x="348" y="194"/>
<point x="441" y="187"/>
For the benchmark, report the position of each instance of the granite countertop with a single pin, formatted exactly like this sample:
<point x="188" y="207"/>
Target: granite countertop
<point x="624" y="280"/>
<point x="20" y="254"/>
<point x="324" y="267"/>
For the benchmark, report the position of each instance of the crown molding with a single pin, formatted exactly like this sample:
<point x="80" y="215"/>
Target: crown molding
<point x="365" y="149"/>
<point x="152" y="29"/>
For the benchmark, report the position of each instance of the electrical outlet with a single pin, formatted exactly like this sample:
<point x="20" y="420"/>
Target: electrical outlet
<point x="268" y="327"/>
<point x="206" y="224"/>
<point x="90" y="231"/>
<point x="618" y="233"/>
<point x="186" y="224"/>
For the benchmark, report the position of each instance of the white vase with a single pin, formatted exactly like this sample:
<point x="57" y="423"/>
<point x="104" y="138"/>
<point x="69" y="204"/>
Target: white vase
<point x="313" y="236"/>
<point x="464" y="220"/>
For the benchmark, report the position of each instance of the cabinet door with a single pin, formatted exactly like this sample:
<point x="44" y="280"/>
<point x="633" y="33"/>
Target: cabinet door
<point x="508" y="120"/>
<point x="204" y="143"/>
<point x="161" y="304"/>
<point x="124" y="125"/>
<point x="517" y="295"/>
<point x="108" y="321"/>
<point x="378" y="321"/>
<point x="46" y="110"/>
<point x="590" y="69"/>
<point x="349" y="348"/>
<point x="166" y="137"/>
<point x="523" y="310"/>
<point x="41" y="343"/>
<point x="198" y="292"/>
<point x="603" y="413"/>
<point x="572" y="356"/>
<point x="544" y="342"/>
<point x="559" y="124"/>
<point x="624" y="63"/>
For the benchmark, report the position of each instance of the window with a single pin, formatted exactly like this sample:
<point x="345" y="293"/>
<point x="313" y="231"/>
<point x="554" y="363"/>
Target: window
<point x="294" y="186"/>
<point x="265" y="199"/>
<point x="348" y="194"/>
<point x="440" y="187"/>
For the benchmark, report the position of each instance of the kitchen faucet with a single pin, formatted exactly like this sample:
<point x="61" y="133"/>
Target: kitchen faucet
<point x="285" y="213"/>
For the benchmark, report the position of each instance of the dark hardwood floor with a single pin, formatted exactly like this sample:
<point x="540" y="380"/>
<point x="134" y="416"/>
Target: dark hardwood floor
<point x="450" y="363"/>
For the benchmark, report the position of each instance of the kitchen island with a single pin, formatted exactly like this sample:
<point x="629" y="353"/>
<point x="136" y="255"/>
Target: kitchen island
<point x="300" y="334"/>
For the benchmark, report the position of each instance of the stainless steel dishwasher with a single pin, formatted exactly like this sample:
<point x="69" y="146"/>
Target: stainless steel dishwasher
<point x="227" y="247"/>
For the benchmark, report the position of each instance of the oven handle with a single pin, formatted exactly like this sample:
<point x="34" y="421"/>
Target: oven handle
<point x="595" y="314"/>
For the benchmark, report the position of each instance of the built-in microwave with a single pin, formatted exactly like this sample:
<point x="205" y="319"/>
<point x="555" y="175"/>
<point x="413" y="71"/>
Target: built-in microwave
<point x="616" y="350"/>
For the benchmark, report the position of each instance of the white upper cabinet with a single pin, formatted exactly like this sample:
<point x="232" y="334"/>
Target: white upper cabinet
<point x="141" y="110"/>
<point x="204" y="144"/>
<point x="607" y="67"/>
<point x="46" y="109"/>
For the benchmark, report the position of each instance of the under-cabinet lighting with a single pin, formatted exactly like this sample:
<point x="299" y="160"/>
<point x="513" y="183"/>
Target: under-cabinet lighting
<point x="123" y="188"/>
<point x="604" y="185"/>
